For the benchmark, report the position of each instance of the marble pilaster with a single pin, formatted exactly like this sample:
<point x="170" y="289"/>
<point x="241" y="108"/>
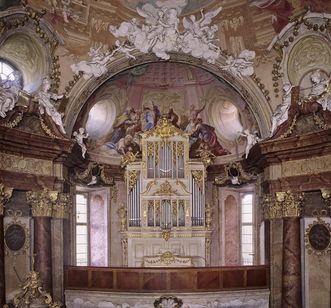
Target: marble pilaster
<point x="291" y="290"/>
<point x="2" y="265"/>
<point x="5" y="195"/>
<point x="43" y="250"/>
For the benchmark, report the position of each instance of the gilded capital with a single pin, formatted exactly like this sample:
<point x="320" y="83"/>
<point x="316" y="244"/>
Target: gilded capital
<point x="62" y="206"/>
<point x="42" y="202"/>
<point x="5" y="195"/>
<point x="291" y="203"/>
<point x="282" y="204"/>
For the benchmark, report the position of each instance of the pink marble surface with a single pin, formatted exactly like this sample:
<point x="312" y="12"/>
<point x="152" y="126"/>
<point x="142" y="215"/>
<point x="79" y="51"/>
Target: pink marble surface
<point x="232" y="238"/>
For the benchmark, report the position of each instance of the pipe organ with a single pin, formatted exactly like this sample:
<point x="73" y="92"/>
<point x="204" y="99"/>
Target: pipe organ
<point x="166" y="202"/>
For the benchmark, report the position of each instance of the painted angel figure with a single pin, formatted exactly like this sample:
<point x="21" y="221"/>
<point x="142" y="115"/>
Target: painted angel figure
<point x="241" y="66"/>
<point x="79" y="137"/>
<point x="252" y="139"/>
<point x="45" y="99"/>
<point x="281" y="113"/>
<point x="321" y="90"/>
<point x="96" y="66"/>
<point x="9" y="90"/>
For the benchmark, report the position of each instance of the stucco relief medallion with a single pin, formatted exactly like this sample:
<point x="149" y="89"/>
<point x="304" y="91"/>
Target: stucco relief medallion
<point x="318" y="237"/>
<point x="16" y="235"/>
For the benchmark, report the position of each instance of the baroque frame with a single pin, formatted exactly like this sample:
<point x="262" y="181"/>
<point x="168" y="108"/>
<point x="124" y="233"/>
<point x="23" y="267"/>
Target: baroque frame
<point x="315" y="244"/>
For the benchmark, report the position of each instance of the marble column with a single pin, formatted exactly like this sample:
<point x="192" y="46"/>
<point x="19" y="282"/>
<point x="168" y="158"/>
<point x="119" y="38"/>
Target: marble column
<point x="5" y="195"/>
<point x="2" y="265"/>
<point x="42" y="203"/>
<point x="291" y="289"/>
<point x="290" y="204"/>
<point x="43" y="251"/>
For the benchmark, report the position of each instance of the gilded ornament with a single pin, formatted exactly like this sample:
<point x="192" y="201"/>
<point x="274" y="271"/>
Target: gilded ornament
<point x="283" y="204"/>
<point x="46" y="129"/>
<point x="124" y="242"/>
<point x="32" y="292"/>
<point x="42" y="202"/>
<point x="199" y="178"/>
<point x="132" y="178"/>
<point x="165" y="188"/>
<point x="208" y="214"/>
<point x="164" y="129"/>
<point x="149" y="186"/>
<point x="166" y="235"/>
<point x="5" y="195"/>
<point x="27" y="165"/>
<point x="205" y="155"/>
<point x="122" y="213"/>
<point x="128" y="158"/>
<point x="63" y="205"/>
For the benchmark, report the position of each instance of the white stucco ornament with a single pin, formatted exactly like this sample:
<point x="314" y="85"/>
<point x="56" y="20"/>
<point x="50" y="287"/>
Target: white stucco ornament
<point x="281" y="113"/>
<point x="160" y="34"/>
<point x="9" y="90"/>
<point x="320" y="90"/>
<point x="46" y="99"/>
<point x="241" y="66"/>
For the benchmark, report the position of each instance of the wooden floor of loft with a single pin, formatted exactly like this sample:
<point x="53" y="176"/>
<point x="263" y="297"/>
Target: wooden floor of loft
<point x="202" y="279"/>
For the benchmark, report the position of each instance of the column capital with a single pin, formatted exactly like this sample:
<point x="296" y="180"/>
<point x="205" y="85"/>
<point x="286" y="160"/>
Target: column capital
<point x="49" y="203"/>
<point x="282" y="204"/>
<point x="41" y="202"/>
<point x="5" y="195"/>
<point x="63" y="205"/>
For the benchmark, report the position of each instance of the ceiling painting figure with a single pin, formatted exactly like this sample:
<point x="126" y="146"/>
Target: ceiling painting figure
<point x="193" y="100"/>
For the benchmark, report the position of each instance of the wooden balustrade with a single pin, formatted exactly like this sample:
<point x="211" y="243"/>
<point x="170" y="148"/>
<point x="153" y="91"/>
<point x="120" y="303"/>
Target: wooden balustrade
<point x="167" y="279"/>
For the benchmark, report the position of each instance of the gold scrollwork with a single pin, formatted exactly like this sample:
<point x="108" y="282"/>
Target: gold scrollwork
<point x="165" y="188"/>
<point x="198" y="176"/>
<point x="166" y="235"/>
<point x="47" y="203"/>
<point x="32" y="292"/>
<point x="164" y="129"/>
<point x="42" y="202"/>
<point x="63" y="205"/>
<point x="122" y="213"/>
<point x="283" y="204"/>
<point x="5" y="195"/>
<point x="180" y="148"/>
<point x="128" y="158"/>
<point x="132" y="178"/>
<point x="208" y="212"/>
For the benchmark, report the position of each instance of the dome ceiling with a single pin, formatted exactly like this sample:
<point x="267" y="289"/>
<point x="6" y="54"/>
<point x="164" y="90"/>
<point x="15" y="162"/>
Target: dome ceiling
<point x="170" y="89"/>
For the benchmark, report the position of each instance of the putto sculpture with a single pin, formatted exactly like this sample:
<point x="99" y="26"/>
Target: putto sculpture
<point x="80" y="135"/>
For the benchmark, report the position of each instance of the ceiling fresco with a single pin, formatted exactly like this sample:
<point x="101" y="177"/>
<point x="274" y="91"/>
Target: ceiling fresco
<point x="249" y="24"/>
<point x="242" y="24"/>
<point x="193" y="100"/>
